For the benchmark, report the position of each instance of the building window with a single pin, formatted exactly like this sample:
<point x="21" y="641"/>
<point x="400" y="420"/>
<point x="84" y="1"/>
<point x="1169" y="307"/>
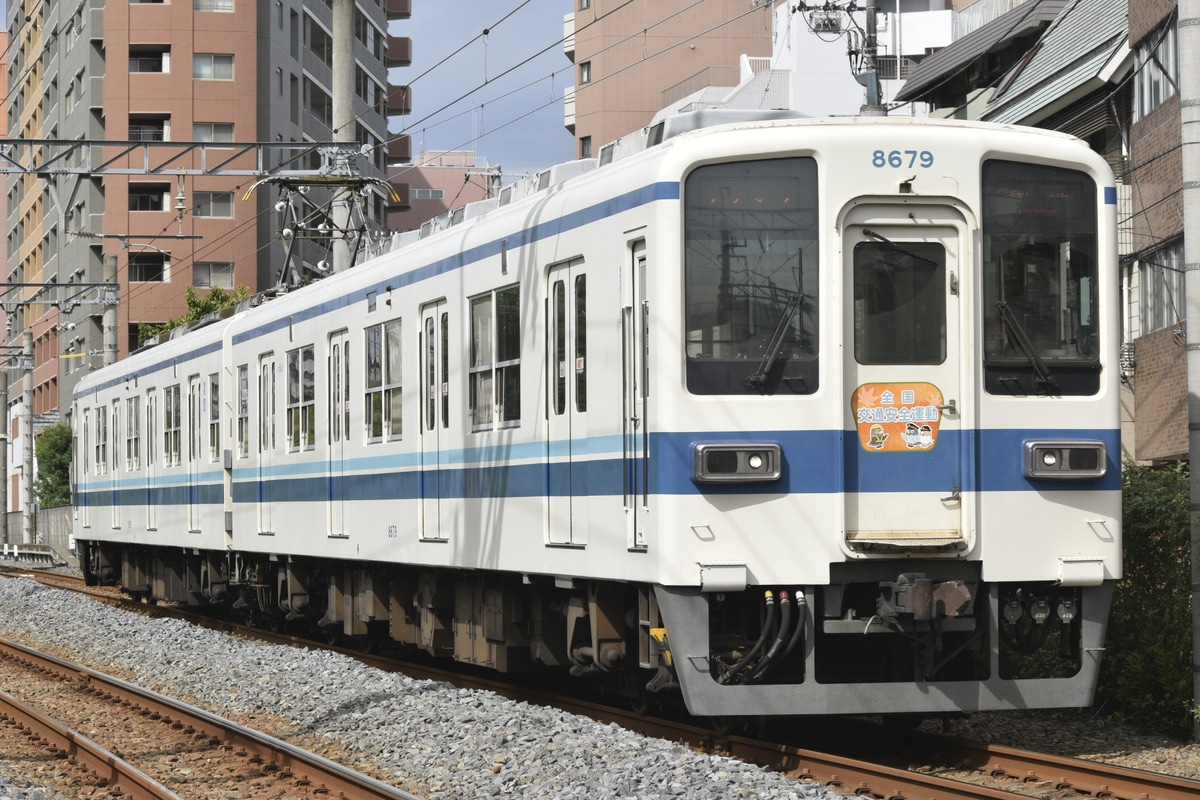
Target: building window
<point x="212" y="5"/>
<point x="1162" y="288"/>
<point x="384" y="382"/>
<point x="149" y="196"/>
<point x="210" y="274"/>
<point x="495" y="388"/>
<point x="147" y="267"/>
<point x="212" y="66"/>
<point x="149" y="59"/>
<point x="429" y="194"/>
<point x="213" y="204"/>
<point x="301" y="399"/>
<point x="149" y="128"/>
<point x="172" y="426"/>
<point x="212" y="132"/>
<point x="585" y="147"/>
<point x="585" y="72"/>
<point x="1157" y="71"/>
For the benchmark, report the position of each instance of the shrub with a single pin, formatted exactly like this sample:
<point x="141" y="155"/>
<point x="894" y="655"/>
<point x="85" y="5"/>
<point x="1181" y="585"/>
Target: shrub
<point x="1145" y="677"/>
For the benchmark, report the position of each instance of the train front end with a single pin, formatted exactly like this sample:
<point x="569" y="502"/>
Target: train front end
<point x="892" y="480"/>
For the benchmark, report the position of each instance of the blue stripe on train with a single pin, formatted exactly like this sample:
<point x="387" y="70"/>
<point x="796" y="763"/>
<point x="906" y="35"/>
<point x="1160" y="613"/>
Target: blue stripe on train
<point x="815" y="462"/>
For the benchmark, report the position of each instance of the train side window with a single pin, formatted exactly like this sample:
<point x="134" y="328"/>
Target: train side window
<point x="430" y="375"/>
<point x="301" y="399"/>
<point x="243" y="410"/>
<point x="581" y="343"/>
<point x="384" y="409"/>
<point x="87" y="442"/>
<point x="393" y="379"/>
<point x="495" y="382"/>
<point x="559" y="362"/>
<point x="750" y="277"/>
<point x="1040" y="280"/>
<point x="444" y="375"/>
<point x="116" y="436"/>
<point x="101" y="461"/>
<point x="195" y="413"/>
<point x="266" y="403"/>
<point x="214" y="416"/>
<point x="133" y="433"/>
<point x="151" y="426"/>
<point x="172" y="426"/>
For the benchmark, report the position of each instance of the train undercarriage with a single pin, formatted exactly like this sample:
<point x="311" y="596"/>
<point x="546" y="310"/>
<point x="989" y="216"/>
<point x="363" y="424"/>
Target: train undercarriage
<point x="877" y="639"/>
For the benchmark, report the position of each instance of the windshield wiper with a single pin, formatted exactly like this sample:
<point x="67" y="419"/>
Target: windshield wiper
<point x="1040" y="371"/>
<point x="775" y="343"/>
<point x="897" y="248"/>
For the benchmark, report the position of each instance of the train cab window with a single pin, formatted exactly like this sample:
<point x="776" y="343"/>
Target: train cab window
<point x="243" y="411"/>
<point x="750" y="277"/>
<point x="899" y="303"/>
<point x="495" y="382"/>
<point x="301" y="399"/>
<point x="172" y="426"/>
<point x="1040" y="276"/>
<point x="384" y="395"/>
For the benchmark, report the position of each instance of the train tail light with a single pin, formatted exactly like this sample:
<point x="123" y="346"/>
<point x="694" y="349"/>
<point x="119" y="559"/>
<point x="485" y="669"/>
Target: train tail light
<point x="737" y="462"/>
<point x="1066" y="459"/>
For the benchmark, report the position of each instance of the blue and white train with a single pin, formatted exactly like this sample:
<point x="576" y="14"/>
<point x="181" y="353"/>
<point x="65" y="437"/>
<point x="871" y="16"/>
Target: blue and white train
<point x="779" y="416"/>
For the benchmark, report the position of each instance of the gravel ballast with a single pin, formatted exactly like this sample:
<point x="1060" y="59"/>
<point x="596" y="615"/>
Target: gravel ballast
<point x="426" y="737"/>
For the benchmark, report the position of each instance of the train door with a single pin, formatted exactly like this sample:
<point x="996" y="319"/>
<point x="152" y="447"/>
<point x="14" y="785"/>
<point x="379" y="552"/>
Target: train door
<point x="266" y="441"/>
<point x="81" y="465"/>
<point x="339" y="428"/>
<point x="115" y="450"/>
<point x="903" y="362"/>
<point x="151" y="460"/>
<point x="567" y="429"/>
<point x="435" y="421"/>
<point x="635" y="371"/>
<point x="196" y="427"/>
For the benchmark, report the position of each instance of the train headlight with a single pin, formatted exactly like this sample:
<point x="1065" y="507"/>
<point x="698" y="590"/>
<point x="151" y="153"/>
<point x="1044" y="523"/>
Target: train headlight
<point x="1066" y="459"/>
<point x="737" y="462"/>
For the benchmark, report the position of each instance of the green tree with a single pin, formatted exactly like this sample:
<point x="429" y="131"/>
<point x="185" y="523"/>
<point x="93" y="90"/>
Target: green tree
<point x="197" y="307"/>
<point x="53" y="449"/>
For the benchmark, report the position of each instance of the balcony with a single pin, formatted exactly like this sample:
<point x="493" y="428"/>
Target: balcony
<point x="399" y="102"/>
<point x="399" y="149"/>
<point x="399" y="9"/>
<point x="399" y="51"/>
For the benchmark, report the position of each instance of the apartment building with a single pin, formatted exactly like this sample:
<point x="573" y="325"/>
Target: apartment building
<point x="210" y="71"/>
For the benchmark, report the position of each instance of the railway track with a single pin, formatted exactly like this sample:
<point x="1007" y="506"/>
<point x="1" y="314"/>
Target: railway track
<point x="863" y="760"/>
<point x="150" y="747"/>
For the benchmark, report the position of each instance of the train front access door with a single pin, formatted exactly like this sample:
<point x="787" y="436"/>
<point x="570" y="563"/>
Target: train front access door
<point x="903" y="380"/>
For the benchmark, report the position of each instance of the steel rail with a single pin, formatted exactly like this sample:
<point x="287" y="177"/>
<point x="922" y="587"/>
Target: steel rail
<point x="319" y="771"/>
<point x="103" y="763"/>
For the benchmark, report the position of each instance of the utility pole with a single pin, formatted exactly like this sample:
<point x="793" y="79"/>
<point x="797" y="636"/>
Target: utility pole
<point x="1189" y="110"/>
<point x="27" y="438"/>
<point x="869" y="77"/>
<point x="343" y="120"/>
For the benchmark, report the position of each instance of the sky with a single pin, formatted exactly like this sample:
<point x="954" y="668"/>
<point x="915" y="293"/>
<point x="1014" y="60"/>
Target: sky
<point x="499" y="94"/>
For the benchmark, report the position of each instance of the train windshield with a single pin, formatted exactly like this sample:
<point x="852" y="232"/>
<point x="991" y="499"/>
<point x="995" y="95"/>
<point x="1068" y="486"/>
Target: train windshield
<point x="1039" y="280"/>
<point x="750" y="277"/>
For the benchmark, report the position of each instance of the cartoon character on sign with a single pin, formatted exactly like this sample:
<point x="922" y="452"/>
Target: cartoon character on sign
<point x="878" y="437"/>
<point x="912" y="435"/>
